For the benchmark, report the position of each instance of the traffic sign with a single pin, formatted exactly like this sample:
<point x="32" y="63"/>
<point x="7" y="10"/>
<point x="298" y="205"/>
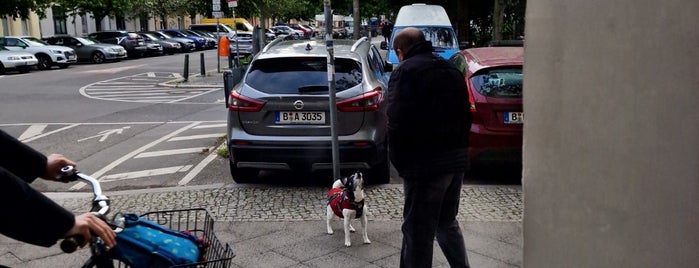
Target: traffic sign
<point x="217" y="14"/>
<point x="232" y="3"/>
<point x="217" y="7"/>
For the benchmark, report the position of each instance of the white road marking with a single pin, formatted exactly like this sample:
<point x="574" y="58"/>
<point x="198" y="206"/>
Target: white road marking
<point x="173" y="152"/>
<point x="49" y="133"/>
<point x="197" y="137"/>
<point x="32" y="131"/>
<point x="151" y="74"/>
<point x="114" y="70"/>
<point x="145" y="173"/>
<point x="176" y="75"/>
<point x="197" y="95"/>
<point x="210" y="126"/>
<point x="106" y="133"/>
<point x="187" y="178"/>
<point x="128" y="156"/>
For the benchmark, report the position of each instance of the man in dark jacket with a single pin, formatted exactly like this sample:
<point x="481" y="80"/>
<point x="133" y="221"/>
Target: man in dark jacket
<point x="30" y="216"/>
<point x="428" y="126"/>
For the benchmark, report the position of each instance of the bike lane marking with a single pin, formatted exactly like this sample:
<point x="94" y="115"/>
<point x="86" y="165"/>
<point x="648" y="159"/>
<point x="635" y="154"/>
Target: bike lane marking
<point x="130" y="155"/>
<point x="49" y="133"/>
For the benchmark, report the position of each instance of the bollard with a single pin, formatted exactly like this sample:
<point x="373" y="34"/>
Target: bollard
<point x="186" y="68"/>
<point x="201" y="64"/>
<point x="227" y="85"/>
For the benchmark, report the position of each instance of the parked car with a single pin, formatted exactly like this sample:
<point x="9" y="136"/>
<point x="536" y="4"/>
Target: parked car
<point x="16" y="60"/>
<point x="186" y="45"/>
<point x="494" y="79"/>
<point x="286" y="30"/>
<point x="47" y="55"/>
<point x="153" y="48"/>
<point x="241" y="44"/>
<point x="307" y="33"/>
<point x="133" y="43"/>
<point x="89" y="50"/>
<point x="200" y="43"/>
<point x="169" y="47"/>
<point x="279" y="117"/>
<point x="222" y="29"/>
<point x="211" y="41"/>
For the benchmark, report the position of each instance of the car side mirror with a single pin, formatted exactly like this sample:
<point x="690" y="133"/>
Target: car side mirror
<point x="384" y="45"/>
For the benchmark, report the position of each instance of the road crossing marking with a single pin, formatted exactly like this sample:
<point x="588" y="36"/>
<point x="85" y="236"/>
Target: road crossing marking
<point x="187" y="178"/>
<point x="197" y="137"/>
<point x="130" y="155"/>
<point x="145" y="173"/>
<point x="210" y="126"/>
<point x="173" y="152"/>
<point x="32" y="131"/>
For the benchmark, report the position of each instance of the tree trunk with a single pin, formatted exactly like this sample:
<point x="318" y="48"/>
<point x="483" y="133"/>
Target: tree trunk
<point x="498" y="18"/>
<point x="357" y="19"/>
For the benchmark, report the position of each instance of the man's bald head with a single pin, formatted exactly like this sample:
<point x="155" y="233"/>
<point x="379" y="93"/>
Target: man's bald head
<point x="407" y="38"/>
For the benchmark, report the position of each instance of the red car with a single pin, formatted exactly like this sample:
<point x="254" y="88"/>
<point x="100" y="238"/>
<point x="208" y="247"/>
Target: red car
<point x="494" y="79"/>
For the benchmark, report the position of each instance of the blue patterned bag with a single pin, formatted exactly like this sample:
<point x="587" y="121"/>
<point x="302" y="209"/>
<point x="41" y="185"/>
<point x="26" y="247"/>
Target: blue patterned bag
<point x="144" y="243"/>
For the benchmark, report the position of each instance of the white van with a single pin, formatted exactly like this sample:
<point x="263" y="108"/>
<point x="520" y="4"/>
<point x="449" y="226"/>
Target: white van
<point x="434" y="23"/>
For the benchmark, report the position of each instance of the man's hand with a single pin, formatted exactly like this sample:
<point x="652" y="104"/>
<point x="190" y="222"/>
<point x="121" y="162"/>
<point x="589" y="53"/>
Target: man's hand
<point x="88" y="222"/>
<point x="54" y="164"/>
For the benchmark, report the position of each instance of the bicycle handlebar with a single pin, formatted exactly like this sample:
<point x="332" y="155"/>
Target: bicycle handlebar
<point x="100" y="204"/>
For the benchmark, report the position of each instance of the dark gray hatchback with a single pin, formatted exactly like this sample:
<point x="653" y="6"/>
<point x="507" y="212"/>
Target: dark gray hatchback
<point x="279" y="116"/>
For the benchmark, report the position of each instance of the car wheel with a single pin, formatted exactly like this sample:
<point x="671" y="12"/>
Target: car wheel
<point x="242" y="175"/>
<point x="44" y="62"/>
<point x="2" y="68"/>
<point x="98" y="57"/>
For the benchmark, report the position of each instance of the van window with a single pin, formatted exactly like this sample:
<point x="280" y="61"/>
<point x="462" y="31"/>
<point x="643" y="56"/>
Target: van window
<point x="440" y="37"/>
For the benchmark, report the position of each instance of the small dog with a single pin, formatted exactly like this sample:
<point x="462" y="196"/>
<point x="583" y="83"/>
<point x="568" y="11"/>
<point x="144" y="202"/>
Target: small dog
<point x="346" y="201"/>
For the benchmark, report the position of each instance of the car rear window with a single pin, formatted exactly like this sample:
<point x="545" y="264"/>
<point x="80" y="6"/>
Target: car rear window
<point x="499" y="83"/>
<point x="302" y="75"/>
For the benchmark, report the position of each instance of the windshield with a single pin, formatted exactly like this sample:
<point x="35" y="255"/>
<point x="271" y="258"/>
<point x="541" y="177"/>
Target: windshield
<point x="302" y="75"/>
<point x="34" y="42"/>
<point x="441" y="37"/>
<point x="85" y="41"/>
<point x="152" y="36"/>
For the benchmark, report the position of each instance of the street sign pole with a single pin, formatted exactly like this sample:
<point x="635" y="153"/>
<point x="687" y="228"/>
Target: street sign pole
<point x="217" y="8"/>
<point x="331" y="90"/>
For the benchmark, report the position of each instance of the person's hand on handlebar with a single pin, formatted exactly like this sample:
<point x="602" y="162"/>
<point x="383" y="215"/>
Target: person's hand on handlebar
<point x="54" y="163"/>
<point x="88" y="222"/>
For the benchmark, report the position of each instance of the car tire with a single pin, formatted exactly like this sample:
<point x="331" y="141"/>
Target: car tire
<point x="98" y="57"/>
<point x="2" y="68"/>
<point x="44" y="62"/>
<point x="242" y="175"/>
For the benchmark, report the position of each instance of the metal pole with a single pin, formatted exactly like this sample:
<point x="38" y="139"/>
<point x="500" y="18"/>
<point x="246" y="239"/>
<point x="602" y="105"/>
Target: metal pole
<point x="331" y="89"/>
<point x="237" y="49"/>
<point x="186" y="68"/>
<point x="218" y="40"/>
<point x="201" y="64"/>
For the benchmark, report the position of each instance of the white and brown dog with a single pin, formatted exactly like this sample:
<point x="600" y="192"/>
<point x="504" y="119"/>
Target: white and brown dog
<point x="346" y="201"/>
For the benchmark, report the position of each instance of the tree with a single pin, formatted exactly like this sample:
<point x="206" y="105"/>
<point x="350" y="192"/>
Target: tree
<point x="20" y="9"/>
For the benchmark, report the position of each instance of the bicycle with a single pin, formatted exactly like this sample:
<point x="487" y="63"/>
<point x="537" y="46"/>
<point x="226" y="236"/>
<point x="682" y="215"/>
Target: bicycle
<point x="197" y="221"/>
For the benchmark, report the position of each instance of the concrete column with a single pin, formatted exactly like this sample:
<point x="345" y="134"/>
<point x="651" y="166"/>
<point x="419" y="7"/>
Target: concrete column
<point x="611" y="138"/>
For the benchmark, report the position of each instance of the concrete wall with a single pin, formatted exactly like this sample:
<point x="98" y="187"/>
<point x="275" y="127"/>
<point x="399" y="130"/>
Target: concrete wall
<point x="611" y="140"/>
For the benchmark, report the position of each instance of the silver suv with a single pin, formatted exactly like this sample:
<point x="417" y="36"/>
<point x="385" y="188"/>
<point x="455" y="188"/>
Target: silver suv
<point x="279" y="115"/>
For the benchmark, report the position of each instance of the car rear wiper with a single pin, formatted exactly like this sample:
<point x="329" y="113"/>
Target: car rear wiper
<point x="307" y="89"/>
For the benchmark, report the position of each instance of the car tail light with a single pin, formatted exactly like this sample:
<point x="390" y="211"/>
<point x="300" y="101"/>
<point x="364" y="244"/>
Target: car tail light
<point x="471" y="101"/>
<point x="132" y="37"/>
<point x="366" y="102"/>
<point x="241" y="103"/>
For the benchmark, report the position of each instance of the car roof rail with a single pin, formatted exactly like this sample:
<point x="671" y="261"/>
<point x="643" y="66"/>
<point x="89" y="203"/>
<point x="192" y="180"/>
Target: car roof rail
<point x="359" y="42"/>
<point x="271" y="44"/>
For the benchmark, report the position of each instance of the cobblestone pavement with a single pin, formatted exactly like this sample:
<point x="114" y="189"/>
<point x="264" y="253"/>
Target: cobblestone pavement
<point x="265" y="203"/>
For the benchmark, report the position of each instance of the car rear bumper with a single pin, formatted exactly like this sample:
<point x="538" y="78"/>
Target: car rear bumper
<point x="494" y="146"/>
<point x="312" y="156"/>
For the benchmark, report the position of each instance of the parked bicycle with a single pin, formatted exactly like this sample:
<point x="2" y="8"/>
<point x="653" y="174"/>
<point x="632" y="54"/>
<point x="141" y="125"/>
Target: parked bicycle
<point x="168" y="238"/>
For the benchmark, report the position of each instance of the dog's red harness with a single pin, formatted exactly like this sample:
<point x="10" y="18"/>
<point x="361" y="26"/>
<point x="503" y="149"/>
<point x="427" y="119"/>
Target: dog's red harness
<point x="338" y="200"/>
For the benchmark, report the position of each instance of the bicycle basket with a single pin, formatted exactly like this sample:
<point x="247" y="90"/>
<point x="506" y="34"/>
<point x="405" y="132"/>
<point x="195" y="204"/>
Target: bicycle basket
<point x="199" y="223"/>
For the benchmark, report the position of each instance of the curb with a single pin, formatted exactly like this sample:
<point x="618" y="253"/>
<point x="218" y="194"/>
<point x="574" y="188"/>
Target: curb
<point x="180" y="82"/>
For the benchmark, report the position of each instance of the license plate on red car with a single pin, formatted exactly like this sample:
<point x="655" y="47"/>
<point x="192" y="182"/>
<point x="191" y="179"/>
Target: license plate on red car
<point x="309" y="118"/>
<point x="514" y="117"/>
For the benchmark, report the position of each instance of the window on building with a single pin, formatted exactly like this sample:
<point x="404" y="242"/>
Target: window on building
<point x="120" y="23"/>
<point x="59" y="20"/>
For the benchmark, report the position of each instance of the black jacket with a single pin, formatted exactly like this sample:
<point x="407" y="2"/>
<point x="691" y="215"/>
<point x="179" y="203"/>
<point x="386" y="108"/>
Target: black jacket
<point x="428" y="115"/>
<point x="28" y="215"/>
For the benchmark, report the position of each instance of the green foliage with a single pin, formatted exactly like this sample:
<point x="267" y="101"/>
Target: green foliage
<point x="20" y="9"/>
